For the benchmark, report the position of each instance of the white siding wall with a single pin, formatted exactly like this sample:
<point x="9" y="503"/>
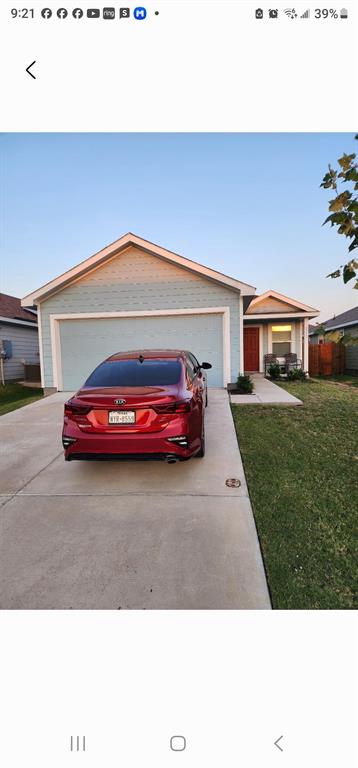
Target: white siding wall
<point x="134" y="281"/>
<point x="25" y="346"/>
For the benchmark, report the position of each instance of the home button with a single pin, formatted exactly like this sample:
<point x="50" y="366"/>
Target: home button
<point x="178" y="743"/>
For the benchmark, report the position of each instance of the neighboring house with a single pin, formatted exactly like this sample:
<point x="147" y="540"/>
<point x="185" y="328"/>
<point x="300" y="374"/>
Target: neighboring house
<point x="347" y="324"/>
<point x="316" y="333"/>
<point x="18" y="337"/>
<point x="134" y="294"/>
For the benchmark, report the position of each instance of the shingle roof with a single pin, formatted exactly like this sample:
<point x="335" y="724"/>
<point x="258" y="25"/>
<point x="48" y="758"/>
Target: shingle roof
<point x="345" y="318"/>
<point x="10" y="306"/>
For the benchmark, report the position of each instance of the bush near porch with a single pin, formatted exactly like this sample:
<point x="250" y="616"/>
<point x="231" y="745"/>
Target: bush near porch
<point x="301" y="466"/>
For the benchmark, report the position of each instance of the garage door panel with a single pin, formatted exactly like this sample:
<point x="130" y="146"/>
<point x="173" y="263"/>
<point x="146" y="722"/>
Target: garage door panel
<point x="86" y="342"/>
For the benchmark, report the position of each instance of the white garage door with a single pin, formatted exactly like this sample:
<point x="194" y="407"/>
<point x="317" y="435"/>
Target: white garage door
<point x="86" y="342"/>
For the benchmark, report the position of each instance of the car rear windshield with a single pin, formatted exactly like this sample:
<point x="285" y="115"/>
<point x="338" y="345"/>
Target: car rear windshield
<point x="133" y="373"/>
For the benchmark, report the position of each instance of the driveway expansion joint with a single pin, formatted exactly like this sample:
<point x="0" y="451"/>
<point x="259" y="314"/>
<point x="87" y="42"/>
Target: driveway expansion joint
<point x="19" y="491"/>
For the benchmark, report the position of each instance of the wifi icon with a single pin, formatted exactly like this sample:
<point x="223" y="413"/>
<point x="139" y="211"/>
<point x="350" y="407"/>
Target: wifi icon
<point x="291" y="13"/>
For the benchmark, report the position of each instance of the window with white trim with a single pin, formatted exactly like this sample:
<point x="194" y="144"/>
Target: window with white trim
<point x="281" y="339"/>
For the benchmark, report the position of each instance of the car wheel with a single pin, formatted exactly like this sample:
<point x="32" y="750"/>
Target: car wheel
<point x="201" y="451"/>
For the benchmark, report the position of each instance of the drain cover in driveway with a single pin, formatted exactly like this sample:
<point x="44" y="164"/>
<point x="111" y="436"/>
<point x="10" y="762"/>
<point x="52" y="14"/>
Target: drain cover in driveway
<point x="233" y="482"/>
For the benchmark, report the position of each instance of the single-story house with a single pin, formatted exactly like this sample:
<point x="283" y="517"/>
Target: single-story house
<point x="135" y="294"/>
<point x="347" y="325"/>
<point x="19" y="344"/>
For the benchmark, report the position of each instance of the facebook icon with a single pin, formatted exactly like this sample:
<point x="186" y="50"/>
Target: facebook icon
<point x="140" y="13"/>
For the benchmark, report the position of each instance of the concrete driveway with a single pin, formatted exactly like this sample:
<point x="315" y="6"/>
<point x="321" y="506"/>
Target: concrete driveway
<point x="113" y="535"/>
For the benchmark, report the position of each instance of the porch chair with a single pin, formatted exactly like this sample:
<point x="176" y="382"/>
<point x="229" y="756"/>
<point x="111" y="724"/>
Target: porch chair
<point x="291" y="361"/>
<point x="269" y="359"/>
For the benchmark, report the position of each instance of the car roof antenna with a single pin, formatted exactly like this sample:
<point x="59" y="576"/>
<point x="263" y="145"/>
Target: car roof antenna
<point x="141" y="359"/>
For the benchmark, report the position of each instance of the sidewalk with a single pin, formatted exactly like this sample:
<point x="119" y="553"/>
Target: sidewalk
<point x="265" y="392"/>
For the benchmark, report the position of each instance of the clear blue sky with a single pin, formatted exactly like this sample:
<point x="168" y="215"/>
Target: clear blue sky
<point x="249" y="205"/>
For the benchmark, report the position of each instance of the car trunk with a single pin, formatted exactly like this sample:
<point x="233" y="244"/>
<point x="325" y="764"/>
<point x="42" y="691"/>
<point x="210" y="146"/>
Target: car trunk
<point x="133" y="396"/>
<point x="139" y="409"/>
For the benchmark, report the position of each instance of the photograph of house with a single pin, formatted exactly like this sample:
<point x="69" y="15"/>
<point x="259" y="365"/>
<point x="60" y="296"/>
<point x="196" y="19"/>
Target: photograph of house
<point x="229" y="486"/>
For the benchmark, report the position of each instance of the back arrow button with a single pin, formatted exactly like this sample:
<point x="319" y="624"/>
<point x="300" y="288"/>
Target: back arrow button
<point x="28" y="69"/>
<point x="277" y="743"/>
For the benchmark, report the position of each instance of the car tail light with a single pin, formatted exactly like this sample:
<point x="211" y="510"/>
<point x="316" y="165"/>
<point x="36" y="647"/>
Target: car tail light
<point x="183" y="406"/>
<point x="76" y="410"/>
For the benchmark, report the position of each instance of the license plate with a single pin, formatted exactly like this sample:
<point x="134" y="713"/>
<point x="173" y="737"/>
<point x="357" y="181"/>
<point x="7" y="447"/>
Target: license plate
<point x="121" y="417"/>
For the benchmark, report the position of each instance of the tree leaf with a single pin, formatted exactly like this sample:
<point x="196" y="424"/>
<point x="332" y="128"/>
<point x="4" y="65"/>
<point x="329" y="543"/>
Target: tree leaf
<point x="340" y="202"/>
<point x="348" y="273"/>
<point x="345" y="161"/>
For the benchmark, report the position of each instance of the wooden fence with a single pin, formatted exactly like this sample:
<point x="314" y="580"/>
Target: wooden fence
<point x="326" y="359"/>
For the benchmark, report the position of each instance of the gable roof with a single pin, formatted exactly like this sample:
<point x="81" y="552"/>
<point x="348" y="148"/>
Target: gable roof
<point x="114" y="249"/>
<point x="297" y="305"/>
<point x="11" y="309"/>
<point x="350" y="317"/>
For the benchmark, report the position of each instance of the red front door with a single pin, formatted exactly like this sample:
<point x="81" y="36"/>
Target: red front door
<point x="251" y="349"/>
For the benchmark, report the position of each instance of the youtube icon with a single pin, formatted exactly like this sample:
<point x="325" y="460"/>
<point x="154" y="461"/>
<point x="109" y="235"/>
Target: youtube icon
<point x="93" y="13"/>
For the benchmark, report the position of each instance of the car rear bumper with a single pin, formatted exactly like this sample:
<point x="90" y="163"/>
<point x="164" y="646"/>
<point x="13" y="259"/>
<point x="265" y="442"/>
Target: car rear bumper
<point x="154" y="446"/>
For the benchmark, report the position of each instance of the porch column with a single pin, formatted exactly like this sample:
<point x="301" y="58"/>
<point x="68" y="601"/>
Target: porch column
<point x="305" y="344"/>
<point x="241" y="320"/>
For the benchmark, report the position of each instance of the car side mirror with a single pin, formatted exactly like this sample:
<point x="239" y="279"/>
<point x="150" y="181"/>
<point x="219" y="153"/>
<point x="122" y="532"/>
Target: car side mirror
<point x="206" y="366"/>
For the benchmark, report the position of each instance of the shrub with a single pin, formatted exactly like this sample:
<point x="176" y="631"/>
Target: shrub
<point x="274" y="371"/>
<point x="245" y="384"/>
<point x="296" y="374"/>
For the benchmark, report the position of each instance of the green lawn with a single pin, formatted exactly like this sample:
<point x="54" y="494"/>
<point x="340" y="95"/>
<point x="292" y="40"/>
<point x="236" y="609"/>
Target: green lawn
<point x="342" y="378"/>
<point x="14" y="396"/>
<point x="301" y="465"/>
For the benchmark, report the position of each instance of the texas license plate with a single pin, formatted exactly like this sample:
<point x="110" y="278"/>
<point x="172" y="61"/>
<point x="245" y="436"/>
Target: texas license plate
<point x="121" y="417"/>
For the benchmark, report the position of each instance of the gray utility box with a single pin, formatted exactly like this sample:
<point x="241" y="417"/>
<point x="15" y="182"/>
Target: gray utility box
<point x="5" y="349"/>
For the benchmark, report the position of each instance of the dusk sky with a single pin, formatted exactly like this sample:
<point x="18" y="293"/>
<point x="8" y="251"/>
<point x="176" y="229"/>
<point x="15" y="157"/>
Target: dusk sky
<point x="249" y="205"/>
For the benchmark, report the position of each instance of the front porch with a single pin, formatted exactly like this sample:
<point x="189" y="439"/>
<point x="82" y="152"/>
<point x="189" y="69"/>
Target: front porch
<point x="275" y="325"/>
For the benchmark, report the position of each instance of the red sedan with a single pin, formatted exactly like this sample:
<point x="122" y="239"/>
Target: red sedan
<point x="146" y="404"/>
